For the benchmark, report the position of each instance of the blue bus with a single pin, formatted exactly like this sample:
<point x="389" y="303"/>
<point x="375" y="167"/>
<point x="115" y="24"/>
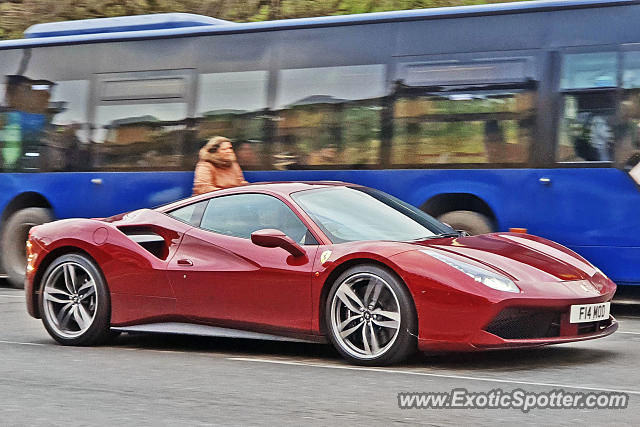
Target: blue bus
<point x="487" y="117"/>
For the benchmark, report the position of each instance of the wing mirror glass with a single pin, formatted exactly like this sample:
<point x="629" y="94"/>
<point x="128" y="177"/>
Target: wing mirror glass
<point x="270" y="238"/>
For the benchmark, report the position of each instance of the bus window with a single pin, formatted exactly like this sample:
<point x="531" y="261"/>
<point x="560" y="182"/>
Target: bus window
<point x="476" y="126"/>
<point x="589" y="70"/>
<point x="140" y="136"/>
<point x="329" y="117"/>
<point x="588" y="86"/>
<point x="24" y="121"/>
<point x="627" y="153"/>
<point x="233" y="105"/>
<point x="45" y="125"/>
<point x="67" y="146"/>
<point x="141" y="120"/>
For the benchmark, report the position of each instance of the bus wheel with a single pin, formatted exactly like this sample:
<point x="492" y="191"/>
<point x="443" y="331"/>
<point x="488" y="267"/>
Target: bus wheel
<point x="14" y="238"/>
<point x="469" y="221"/>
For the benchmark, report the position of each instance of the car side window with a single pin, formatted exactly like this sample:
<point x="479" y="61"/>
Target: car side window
<point x="239" y="215"/>
<point x="191" y="214"/>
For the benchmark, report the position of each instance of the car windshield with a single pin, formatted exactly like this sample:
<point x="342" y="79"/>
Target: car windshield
<point x="348" y="214"/>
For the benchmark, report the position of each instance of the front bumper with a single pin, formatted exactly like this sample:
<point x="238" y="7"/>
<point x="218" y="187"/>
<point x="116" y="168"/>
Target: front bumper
<point x="484" y="340"/>
<point x="569" y="332"/>
<point x="471" y="323"/>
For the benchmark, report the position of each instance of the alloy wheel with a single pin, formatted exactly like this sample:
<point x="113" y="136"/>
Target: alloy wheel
<point x="365" y="316"/>
<point x="70" y="299"/>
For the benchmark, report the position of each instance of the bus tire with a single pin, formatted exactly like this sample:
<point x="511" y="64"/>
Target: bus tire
<point x="469" y="221"/>
<point x="14" y="236"/>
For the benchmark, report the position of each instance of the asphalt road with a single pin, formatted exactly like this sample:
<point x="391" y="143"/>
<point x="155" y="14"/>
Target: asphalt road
<point x="171" y="380"/>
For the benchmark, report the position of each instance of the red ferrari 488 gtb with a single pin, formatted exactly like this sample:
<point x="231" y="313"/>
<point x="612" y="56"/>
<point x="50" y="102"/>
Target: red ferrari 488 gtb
<point x="322" y="261"/>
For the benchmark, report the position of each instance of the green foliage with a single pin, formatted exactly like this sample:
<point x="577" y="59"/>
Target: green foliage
<point x="17" y="15"/>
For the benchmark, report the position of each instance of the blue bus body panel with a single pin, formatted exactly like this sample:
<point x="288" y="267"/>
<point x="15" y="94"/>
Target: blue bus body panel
<point x="594" y="211"/>
<point x="73" y="194"/>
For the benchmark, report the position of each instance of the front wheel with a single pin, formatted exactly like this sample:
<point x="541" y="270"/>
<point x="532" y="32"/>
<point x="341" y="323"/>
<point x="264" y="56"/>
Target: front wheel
<point x="370" y="316"/>
<point x="74" y="301"/>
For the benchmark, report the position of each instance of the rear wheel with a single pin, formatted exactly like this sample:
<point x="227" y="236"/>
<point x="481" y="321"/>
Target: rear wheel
<point x="14" y="239"/>
<point x="370" y="316"/>
<point x="74" y="301"/>
<point x="472" y="222"/>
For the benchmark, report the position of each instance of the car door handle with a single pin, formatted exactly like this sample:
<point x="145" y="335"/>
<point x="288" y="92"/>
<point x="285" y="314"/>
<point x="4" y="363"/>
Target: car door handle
<point x="186" y="262"/>
<point x="96" y="181"/>
<point x="545" y="181"/>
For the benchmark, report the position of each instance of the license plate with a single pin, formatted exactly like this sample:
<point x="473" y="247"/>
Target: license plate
<point x="589" y="312"/>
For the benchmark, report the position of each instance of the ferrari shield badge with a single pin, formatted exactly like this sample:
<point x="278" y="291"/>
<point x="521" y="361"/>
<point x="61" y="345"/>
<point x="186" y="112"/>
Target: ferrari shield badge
<point x="325" y="256"/>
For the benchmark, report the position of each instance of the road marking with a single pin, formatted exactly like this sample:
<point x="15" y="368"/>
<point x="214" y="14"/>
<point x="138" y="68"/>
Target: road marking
<point x="628" y="333"/>
<point x="114" y="348"/>
<point x="12" y="296"/>
<point x="21" y="343"/>
<point x="426" y="374"/>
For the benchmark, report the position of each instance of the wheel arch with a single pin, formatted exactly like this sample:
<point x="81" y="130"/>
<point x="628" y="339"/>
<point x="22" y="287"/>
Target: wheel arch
<point x="448" y="202"/>
<point x="29" y="199"/>
<point x="337" y="271"/>
<point x="46" y="262"/>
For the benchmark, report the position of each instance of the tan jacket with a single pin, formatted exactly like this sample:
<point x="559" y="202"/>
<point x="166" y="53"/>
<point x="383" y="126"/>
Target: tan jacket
<point x="208" y="178"/>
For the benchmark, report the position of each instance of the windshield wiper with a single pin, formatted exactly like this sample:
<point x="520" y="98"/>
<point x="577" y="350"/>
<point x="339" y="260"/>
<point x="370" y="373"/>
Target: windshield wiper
<point x="436" y="236"/>
<point x="452" y="234"/>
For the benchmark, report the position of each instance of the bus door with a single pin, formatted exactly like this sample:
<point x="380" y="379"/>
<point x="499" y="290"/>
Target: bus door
<point x="141" y="127"/>
<point x="590" y="195"/>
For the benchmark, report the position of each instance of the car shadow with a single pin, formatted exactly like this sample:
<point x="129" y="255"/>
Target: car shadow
<point x="499" y="361"/>
<point x="626" y="310"/>
<point x="515" y="359"/>
<point x="230" y="346"/>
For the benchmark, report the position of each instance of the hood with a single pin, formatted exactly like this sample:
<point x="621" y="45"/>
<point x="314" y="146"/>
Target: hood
<point x="521" y="257"/>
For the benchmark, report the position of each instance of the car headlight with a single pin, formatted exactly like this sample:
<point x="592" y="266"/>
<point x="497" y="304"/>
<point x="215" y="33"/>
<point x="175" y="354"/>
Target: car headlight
<point x="486" y="277"/>
<point x="601" y="273"/>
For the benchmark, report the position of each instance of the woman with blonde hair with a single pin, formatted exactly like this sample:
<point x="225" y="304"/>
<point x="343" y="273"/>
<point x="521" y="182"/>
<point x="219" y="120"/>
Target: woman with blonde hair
<point x="217" y="167"/>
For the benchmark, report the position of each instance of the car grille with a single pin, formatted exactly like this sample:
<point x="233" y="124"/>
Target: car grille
<point x="591" y="327"/>
<point x="522" y="323"/>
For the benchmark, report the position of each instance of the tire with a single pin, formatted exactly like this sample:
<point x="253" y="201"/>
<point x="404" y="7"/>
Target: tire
<point x="394" y="332"/>
<point x="74" y="302"/>
<point x="14" y="237"/>
<point x="472" y="222"/>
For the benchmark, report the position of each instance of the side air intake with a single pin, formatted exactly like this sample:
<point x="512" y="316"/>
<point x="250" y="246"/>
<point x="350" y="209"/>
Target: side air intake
<point x="149" y="239"/>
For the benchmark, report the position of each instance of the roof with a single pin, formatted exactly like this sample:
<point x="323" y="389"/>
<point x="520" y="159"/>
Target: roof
<point x="282" y="188"/>
<point x="158" y="21"/>
<point x="225" y="27"/>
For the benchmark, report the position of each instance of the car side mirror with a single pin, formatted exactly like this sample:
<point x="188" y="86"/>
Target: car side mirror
<point x="270" y="238"/>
